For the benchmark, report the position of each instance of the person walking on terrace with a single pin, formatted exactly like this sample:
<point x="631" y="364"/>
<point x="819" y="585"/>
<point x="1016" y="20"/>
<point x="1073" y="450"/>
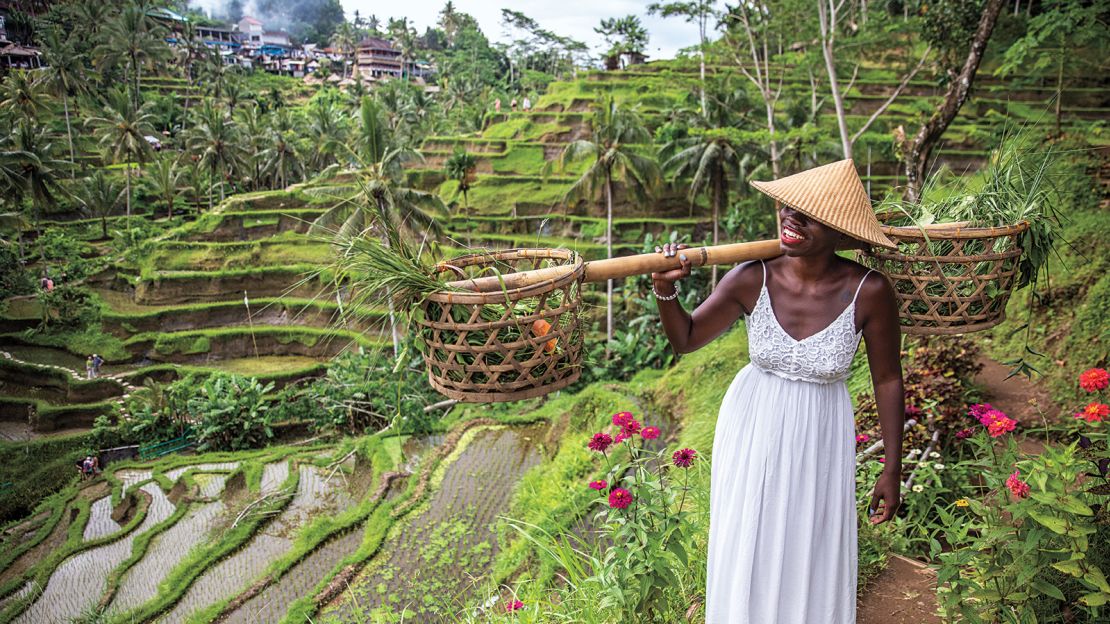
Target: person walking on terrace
<point x="782" y="519"/>
<point x="89" y="367"/>
<point x="96" y="362"/>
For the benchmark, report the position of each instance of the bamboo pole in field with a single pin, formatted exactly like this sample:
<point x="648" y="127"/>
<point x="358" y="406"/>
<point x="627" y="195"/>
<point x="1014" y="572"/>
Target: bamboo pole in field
<point x="614" y="268"/>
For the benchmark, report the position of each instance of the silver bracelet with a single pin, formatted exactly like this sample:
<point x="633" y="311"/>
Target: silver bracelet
<point x="672" y="297"/>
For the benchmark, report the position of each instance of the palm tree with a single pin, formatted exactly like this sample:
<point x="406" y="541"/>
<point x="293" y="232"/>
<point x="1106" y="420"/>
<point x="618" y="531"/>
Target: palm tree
<point x="460" y="168"/>
<point x="345" y="41"/>
<point x="100" y="195"/>
<point x="615" y="131"/>
<point x="253" y="126"/>
<point x="280" y="159"/>
<point x="217" y="143"/>
<point x="710" y="159"/>
<point x="123" y="128"/>
<point x="165" y="179"/>
<point x="66" y="71"/>
<point x="132" y="40"/>
<point x="326" y="132"/>
<point x="31" y="158"/>
<point x="25" y="94"/>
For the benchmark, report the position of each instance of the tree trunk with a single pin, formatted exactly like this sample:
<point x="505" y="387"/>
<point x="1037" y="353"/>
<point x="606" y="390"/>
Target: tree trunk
<point x="1059" y="83"/>
<point x="916" y="154"/>
<point x="704" y="109"/>
<point x="775" y="156"/>
<point x="127" y="181"/>
<point x="720" y="196"/>
<point x="608" y="254"/>
<point x="826" y="17"/>
<point x="69" y="133"/>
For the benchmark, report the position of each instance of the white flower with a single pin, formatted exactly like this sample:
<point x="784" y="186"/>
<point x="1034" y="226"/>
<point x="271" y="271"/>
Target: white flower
<point x="938" y="467"/>
<point x="918" y="488"/>
<point x="925" y="464"/>
<point x="934" y="455"/>
<point x="913" y="452"/>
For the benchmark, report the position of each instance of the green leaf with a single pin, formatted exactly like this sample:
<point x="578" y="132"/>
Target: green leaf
<point x="1052" y="523"/>
<point x="1069" y="567"/>
<point x="678" y="551"/>
<point x="1095" y="599"/>
<point x="1048" y="589"/>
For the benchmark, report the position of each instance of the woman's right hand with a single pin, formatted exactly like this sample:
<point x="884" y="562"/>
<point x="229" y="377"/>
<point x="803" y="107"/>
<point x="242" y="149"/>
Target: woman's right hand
<point x="670" y="250"/>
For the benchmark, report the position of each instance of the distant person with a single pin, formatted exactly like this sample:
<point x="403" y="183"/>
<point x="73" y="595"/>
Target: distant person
<point x="47" y="284"/>
<point x="284" y="318"/>
<point x="96" y="361"/>
<point x="526" y="105"/>
<point x="89" y="368"/>
<point x="512" y="105"/>
<point x="497" y="105"/>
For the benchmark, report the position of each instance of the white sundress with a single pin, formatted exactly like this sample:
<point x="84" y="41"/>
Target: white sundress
<point x="782" y="521"/>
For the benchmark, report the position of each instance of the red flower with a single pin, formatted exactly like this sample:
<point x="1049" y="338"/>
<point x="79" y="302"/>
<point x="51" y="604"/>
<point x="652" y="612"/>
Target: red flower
<point x="1094" y="379"/>
<point x="912" y="411"/>
<point x="1094" y="412"/>
<point x="1001" y="425"/>
<point x="621" y="437"/>
<point x="1017" y="487"/>
<point x="963" y="434"/>
<point x="600" y="442"/>
<point x="513" y="605"/>
<point x="630" y="428"/>
<point x="620" y="419"/>
<point x="620" y="498"/>
<point x="861" y="438"/>
<point x="650" y="433"/>
<point x="979" y="410"/>
<point x="684" y="458"/>
<point x="598" y="485"/>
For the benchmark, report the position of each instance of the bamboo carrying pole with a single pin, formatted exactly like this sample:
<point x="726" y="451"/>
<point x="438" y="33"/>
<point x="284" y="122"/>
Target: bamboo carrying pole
<point x="626" y="266"/>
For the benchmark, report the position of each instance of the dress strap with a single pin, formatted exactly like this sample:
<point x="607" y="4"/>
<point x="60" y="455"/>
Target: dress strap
<point x="764" y="273"/>
<point x="860" y="287"/>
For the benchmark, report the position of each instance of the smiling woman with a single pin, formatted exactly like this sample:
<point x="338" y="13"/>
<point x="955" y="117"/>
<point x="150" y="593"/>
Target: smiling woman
<point x="782" y="494"/>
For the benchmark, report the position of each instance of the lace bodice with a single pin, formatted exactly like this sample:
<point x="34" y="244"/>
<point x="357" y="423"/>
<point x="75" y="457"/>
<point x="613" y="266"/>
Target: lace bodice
<point x="824" y="357"/>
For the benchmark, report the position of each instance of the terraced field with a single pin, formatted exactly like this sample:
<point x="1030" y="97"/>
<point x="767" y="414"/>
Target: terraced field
<point x="273" y="535"/>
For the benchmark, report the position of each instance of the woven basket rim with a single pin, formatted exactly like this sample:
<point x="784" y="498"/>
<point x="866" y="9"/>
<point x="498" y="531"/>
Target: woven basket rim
<point x="575" y="271"/>
<point x="959" y="232"/>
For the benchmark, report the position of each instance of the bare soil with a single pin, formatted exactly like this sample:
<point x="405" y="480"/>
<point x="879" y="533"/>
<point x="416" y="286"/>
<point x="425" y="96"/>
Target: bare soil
<point x="904" y="593"/>
<point x="1021" y="399"/>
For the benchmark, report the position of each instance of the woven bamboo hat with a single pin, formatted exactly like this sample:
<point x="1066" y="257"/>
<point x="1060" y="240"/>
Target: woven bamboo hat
<point x="834" y="195"/>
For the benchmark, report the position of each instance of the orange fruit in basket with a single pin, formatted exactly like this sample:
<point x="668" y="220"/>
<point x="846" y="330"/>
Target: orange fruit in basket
<point x="540" y="327"/>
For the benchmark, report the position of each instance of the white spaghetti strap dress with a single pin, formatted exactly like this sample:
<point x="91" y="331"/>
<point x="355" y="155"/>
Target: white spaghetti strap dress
<point x="782" y="521"/>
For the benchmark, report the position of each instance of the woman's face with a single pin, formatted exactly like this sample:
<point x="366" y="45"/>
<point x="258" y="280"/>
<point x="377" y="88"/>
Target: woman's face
<point x="801" y="236"/>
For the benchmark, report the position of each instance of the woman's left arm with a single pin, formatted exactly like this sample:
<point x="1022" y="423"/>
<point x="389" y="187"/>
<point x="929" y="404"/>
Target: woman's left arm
<point x="883" y="334"/>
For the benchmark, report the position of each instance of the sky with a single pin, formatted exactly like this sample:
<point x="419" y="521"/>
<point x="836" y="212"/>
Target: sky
<point x="571" y="18"/>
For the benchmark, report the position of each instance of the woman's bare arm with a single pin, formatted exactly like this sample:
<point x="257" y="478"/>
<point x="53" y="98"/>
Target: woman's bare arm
<point x="883" y="334"/>
<point x="690" y="332"/>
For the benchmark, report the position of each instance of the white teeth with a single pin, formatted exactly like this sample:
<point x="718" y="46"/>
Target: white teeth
<point x="791" y="234"/>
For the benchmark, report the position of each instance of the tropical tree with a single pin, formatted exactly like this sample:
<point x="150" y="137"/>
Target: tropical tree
<point x="327" y="132"/>
<point x="345" y="42"/>
<point x="132" y="40"/>
<point x="280" y="160"/>
<point x="460" y="168"/>
<point x="65" y="69"/>
<point x="701" y="12"/>
<point x="615" y="132"/>
<point x="33" y="168"/>
<point x="25" y="95"/>
<point x="100" y="196"/>
<point x="217" y="143"/>
<point x="711" y="159"/>
<point x="122" y="128"/>
<point x="253" y="128"/>
<point x="166" y="180"/>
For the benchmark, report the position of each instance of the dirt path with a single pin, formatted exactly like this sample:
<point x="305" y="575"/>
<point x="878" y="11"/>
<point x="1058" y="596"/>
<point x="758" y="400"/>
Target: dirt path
<point x="904" y="593"/>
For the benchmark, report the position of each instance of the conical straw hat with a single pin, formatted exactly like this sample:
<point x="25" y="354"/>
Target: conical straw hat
<point x="834" y="195"/>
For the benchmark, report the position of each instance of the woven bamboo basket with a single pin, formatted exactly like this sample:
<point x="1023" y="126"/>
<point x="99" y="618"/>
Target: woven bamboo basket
<point x="949" y="278"/>
<point x="508" y="344"/>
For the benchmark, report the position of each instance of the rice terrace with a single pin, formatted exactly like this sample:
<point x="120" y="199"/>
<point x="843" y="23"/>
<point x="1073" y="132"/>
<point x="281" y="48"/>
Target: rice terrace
<point x="327" y="311"/>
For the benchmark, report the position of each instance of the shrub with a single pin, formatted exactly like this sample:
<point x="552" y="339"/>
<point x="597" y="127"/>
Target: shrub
<point x="14" y="279"/>
<point x="231" y="413"/>
<point x="68" y="307"/>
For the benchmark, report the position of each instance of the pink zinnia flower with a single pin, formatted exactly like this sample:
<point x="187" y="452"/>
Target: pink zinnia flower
<point x="630" y="428"/>
<point x="684" y="458"/>
<point x="882" y="460"/>
<point x="1017" y="487"/>
<point x="978" y="410"/>
<point x="598" y="485"/>
<point x="912" y="411"/>
<point x="1001" y="426"/>
<point x="620" y="498"/>
<point x="964" y="434"/>
<point x="622" y="418"/>
<point x="1094" y="412"/>
<point x="621" y="437"/>
<point x="650" y="433"/>
<point x="1094" y="379"/>
<point x="600" y="442"/>
<point x="861" y="438"/>
<point x="513" y="605"/>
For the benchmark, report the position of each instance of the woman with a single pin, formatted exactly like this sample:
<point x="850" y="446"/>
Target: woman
<point x="782" y="534"/>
